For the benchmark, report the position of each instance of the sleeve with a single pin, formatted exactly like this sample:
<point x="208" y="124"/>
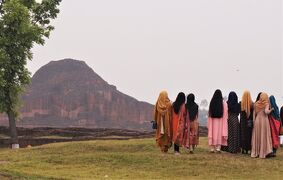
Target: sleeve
<point x="155" y="113"/>
<point x="254" y="115"/>
<point x="171" y="121"/>
<point x="225" y="121"/>
<point x="267" y="110"/>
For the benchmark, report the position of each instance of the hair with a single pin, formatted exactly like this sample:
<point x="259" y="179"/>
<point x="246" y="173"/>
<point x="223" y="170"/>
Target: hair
<point x="258" y="97"/>
<point x="233" y="104"/>
<point x="192" y="107"/>
<point x="216" y="105"/>
<point x="246" y="104"/>
<point x="180" y="100"/>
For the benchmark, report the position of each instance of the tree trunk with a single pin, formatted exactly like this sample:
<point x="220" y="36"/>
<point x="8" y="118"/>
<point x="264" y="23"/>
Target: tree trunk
<point x="13" y="128"/>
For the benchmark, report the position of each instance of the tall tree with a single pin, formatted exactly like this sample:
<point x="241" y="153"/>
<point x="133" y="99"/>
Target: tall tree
<point x="23" y="23"/>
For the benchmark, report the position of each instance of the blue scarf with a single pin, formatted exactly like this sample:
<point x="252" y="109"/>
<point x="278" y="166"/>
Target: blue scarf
<point x="275" y="112"/>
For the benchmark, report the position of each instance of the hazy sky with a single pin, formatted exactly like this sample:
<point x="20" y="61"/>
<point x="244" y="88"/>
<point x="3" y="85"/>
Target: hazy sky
<point x="145" y="46"/>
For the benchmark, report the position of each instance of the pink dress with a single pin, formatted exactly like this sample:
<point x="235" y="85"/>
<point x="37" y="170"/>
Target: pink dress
<point x="218" y="129"/>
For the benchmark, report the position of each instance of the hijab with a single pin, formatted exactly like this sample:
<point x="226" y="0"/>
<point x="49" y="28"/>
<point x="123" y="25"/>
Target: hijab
<point x="192" y="107"/>
<point x="180" y="100"/>
<point x="262" y="102"/>
<point x="216" y="105"/>
<point x="258" y="97"/>
<point x="275" y="112"/>
<point x="163" y="103"/>
<point x="233" y="104"/>
<point x="246" y="104"/>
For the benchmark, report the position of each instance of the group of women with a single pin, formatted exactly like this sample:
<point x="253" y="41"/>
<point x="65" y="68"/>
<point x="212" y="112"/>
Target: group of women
<point x="177" y="122"/>
<point x="255" y="133"/>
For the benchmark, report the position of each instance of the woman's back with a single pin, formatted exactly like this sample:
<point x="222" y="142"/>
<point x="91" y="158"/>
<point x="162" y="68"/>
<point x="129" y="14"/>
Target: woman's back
<point x="178" y="122"/>
<point x="261" y="138"/>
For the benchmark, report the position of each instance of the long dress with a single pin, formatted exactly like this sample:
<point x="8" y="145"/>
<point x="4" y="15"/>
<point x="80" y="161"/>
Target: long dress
<point x="164" y="129"/>
<point x="186" y="135"/>
<point x="275" y="131"/>
<point x="245" y="131"/>
<point x="191" y="132"/>
<point x="194" y="132"/>
<point x="261" y="138"/>
<point x="233" y="133"/>
<point x="179" y="123"/>
<point x="218" y="129"/>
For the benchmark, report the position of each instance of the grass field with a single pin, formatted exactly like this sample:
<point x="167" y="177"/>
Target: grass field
<point x="131" y="159"/>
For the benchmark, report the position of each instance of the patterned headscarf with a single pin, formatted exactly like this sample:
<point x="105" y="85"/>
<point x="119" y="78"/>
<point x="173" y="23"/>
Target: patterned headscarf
<point x="262" y="102"/>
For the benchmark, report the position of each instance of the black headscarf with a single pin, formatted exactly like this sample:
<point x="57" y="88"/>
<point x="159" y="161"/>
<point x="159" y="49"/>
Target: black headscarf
<point x="216" y="105"/>
<point x="233" y="105"/>
<point x="181" y="99"/>
<point x="258" y="97"/>
<point x="192" y="107"/>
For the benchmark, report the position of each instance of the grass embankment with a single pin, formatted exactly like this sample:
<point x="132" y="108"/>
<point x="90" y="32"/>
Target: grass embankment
<point x="131" y="159"/>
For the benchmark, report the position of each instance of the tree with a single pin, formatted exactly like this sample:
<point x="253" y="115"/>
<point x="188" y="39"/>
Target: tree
<point x="23" y="23"/>
<point x="225" y="98"/>
<point x="204" y="103"/>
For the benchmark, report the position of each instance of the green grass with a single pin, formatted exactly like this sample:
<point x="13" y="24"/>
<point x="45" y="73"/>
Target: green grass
<point x="131" y="159"/>
<point x="53" y="137"/>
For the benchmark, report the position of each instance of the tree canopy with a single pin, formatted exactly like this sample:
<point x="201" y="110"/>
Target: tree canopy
<point x="23" y="23"/>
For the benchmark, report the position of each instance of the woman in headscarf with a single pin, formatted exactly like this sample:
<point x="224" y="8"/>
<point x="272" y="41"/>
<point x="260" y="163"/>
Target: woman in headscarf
<point x="274" y="121"/>
<point x="246" y="122"/>
<point x="163" y="118"/>
<point x="191" y="136"/>
<point x="261" y="138"/>
<point x="233" y="124"/>
<point x="258" y="97"/>
<point x="217" y="122"/>
<point x="179" y="118"/>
